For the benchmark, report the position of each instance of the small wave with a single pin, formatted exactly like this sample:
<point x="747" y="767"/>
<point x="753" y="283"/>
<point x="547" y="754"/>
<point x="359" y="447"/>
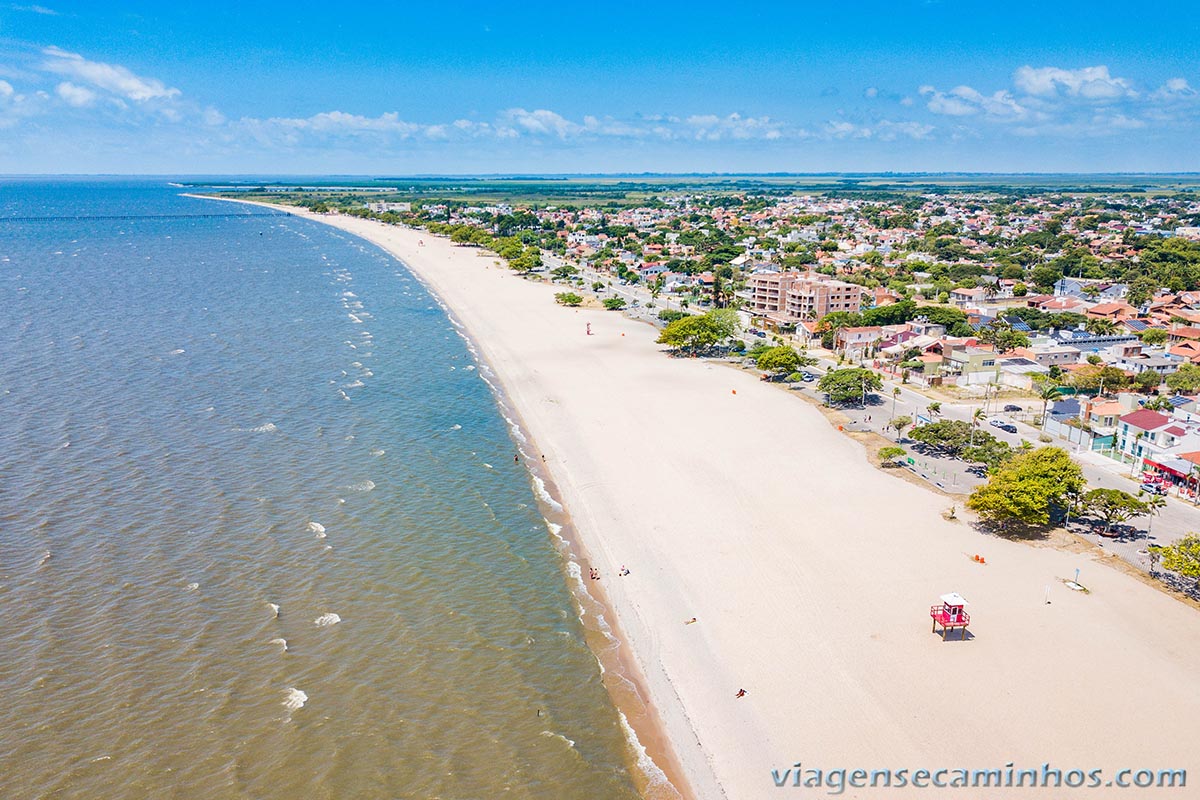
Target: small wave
<point x="355" y="384"/>
<point x="191" y="587"/>
<point x="363" y="486"/>
<point x="342" y="392"/>
<point x="489" y="466"/>
<point x="268" y="428"/>
<point x="456" y="427"/>
<point x="555" y="529"/>
<point x="378" y="451"/>
<point x="274" y="610"/>
<point x="295" y="699"/>
<point x="178" y="352"/>
<point x="318" y="529"/>
<point x="46" y="556"/>
<point x="325" y="620"/>
<point x="645" y="763"/>
<point x="540" y="487"/>
<point x="281" y="642"/>
<point x="355" y="318"/>
<point x="559" y="736"/>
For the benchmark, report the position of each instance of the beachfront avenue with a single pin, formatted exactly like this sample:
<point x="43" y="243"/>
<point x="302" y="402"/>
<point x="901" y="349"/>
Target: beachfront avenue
<point x="836" y="781"/>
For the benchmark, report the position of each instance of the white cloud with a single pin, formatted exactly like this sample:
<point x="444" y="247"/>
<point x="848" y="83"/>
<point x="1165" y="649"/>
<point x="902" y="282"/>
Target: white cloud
<point x="1092" y="83"/>
<point x="49" y="12"/>
<point x="963" y="101"/>
<point x="77" y="96"/>
<point x="710" y="127"/>
<point x="883" y="130"/>
<point x="109" y="77"/>
<point x="6" y="90"/>
<point x="1174" y="89"/>
<point x="870" y="92"/>
<point x="541" y="122"/>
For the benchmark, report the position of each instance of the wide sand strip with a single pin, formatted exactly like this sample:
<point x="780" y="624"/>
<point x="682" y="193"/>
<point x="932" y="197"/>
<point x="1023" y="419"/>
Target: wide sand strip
<point x="810" y="573"/>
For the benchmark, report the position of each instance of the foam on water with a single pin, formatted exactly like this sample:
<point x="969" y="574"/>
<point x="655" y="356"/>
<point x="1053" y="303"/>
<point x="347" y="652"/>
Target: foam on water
<point x="558" y="736"/>
<point x="318" y="529"/>
<point x="361" y="486"/>
<point x="274" y="610"/>
<point x="294" y="699"/>
<point x="653" y="773"/>
<point x="191" y="587"/>
<point x="325" y="620"/>
<point x="281" y="642"/>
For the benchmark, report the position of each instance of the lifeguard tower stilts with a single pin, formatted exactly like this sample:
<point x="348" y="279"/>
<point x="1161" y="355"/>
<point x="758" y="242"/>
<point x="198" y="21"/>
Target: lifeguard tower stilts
<point x="950" y="614"/>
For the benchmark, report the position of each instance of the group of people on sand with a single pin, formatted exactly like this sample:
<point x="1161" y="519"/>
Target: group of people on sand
<point x="594" y="573"/>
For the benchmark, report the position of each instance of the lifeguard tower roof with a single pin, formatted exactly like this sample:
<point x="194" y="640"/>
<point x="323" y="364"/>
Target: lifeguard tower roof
<point x="953" y="599"/>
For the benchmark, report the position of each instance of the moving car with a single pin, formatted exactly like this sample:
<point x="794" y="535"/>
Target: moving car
<point x="1002" y="425"/>
<point x="1153" y="488"/>
<point x="1010" y="408"/>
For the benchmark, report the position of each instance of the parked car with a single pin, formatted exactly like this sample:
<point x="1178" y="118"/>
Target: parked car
<point x="1010" y="408"/>
<point x="808" y="377"/>
<point x="1002" y="425"/>
<point x="1154" y="488"/>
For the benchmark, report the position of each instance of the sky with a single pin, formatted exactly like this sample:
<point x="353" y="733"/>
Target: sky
<point x="309" y="88"/>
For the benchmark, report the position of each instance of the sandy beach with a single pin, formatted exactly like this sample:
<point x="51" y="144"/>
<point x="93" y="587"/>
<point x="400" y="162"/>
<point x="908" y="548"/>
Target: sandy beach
<point x="810" y="573"/>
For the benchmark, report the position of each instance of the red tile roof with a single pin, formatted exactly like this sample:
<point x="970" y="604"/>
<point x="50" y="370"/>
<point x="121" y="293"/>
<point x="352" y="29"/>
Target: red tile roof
<point x="1145" y="419"/>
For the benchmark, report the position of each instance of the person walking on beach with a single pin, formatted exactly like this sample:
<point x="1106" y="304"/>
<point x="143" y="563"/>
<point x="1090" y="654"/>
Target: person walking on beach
<point x="740" y="693"/>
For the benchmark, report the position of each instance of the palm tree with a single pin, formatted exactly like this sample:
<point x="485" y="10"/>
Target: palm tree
<point x="1154" y="505"/>
<point x="1047" y="391"/>
<point x="935" y="409"/>
<point x="1137" y="441"/>
<point x="978" y="415"/>
<point x="895" y="396"/>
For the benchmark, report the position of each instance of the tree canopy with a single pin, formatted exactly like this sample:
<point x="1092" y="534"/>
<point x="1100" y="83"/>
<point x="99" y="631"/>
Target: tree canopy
<point x="849" y="385"/>
<point x="1026" y="488"/>
<point x="782" y="360"/>
<point x="1113" y="506"/>
<point x="567" y="299"/>
<point x="1184" y="379"/>
<point x="693" y="333"/>
<point x="1182" y="557"/>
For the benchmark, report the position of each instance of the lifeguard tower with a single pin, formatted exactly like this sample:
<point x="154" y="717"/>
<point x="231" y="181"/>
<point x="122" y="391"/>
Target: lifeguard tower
<point x="950" y="614"/>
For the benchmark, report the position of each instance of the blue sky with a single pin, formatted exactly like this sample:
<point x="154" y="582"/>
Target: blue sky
<point x="307" y="88"/>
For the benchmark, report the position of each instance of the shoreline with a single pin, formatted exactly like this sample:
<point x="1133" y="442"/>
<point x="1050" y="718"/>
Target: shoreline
<point x="810" y="571"/>
<point x="647" y="738"/>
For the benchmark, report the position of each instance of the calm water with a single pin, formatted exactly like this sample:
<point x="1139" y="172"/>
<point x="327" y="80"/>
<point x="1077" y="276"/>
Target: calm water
<point x="219" y="409"/>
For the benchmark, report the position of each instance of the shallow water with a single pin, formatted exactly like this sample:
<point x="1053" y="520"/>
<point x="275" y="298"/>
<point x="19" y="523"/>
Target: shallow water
<point x="261" y="530"/>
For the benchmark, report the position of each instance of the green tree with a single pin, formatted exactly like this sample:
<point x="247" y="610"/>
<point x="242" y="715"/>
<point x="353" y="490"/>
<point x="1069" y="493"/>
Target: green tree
<point x="1141" y="291"/>
<point x="849" y="385"/>
<point x="564" y="272"/>
<point x="1182" y="557"/>
<point x="899" y="424"/>
<point x="690" y="333"/>
<point x="1147" y="380"/>
<point x="988" y="450"/>
<point x="889" y="454"/>
<point x="568" y="299"/>
<point x="725" y="322"/>
<point x="614" y="303"/>
<point x="950" y="436"/>
<point x="1100" y="327"/>
<point x="1113" y="506"/>
<point x="1026" y="488"/>
<point x="1003" y="337"/>
<point x="782" y="360"/>
<point x="1153" y="336"/>
<point x="1184" y="379"/>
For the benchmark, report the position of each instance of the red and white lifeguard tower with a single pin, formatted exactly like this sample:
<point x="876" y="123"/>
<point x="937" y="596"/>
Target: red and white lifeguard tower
<point x="950" y="614"/>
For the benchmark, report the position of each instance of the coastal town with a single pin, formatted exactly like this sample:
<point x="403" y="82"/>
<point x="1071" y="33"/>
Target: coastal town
<point x="974" y="326"/>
